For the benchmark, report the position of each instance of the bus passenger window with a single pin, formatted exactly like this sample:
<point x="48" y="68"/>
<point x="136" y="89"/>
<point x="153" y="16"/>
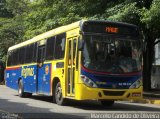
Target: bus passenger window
<point x="74" y="50"/>
<point x="9" y="58"/>
<point x="50" y="48"/>
<point x="60" y="46"/>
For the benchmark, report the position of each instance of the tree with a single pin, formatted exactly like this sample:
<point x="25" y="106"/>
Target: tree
<point x="11" y="29"/>
<point x="21" y="20"/>
<point x="151" y="21"/>
<point x="3" y="11"/>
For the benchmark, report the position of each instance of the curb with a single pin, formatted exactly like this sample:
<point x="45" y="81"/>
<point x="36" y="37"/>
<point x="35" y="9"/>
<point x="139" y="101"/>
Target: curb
<point x="150" y="97"/>
<point x="147" y="101"/>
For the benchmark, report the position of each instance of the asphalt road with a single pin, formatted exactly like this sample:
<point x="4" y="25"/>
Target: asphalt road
<point x="11" y="105"/>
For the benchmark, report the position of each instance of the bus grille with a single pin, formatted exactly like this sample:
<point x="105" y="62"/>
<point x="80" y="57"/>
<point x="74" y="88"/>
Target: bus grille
<point x="113" y="93"/>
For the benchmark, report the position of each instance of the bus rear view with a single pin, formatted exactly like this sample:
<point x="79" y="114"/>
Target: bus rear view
<point x="111" y="62"/>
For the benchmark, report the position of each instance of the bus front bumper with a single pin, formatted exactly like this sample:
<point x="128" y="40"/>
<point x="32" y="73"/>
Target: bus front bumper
<point x="86" y="93"/>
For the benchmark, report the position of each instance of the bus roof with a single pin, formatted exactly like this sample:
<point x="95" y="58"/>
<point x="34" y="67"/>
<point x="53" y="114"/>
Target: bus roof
<point x="47" y="34"/>
<point x="63" y="29"/>
<point x="111" y="22"/>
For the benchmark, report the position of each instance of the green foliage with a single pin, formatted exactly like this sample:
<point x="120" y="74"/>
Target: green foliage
<point x="3" y="10"/>
<point x="17" y="7"/>
<point x="128" y="13"/>
<point x="151" y="18"/>
<point x="22" y="19"/>
<point x="10" y="34"/>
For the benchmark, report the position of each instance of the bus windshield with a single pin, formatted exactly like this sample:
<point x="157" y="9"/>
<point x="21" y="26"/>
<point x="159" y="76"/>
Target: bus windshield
<point x="111" y="54"/>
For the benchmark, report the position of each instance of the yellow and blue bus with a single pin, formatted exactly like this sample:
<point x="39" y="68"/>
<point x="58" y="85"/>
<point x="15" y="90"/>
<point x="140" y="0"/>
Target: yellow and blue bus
<point x="85" y="60"/>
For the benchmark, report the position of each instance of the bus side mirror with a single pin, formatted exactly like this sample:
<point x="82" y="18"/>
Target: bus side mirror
<point x="80" y="44"/>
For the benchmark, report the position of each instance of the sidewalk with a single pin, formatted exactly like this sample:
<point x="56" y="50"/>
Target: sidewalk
<point x="152" y="94"/>
<point x="151" y="97"/>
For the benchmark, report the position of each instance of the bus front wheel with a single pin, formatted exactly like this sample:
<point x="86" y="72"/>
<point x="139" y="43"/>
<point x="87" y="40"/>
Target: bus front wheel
<point x="21" y="89"/>
<point x="107" y="102"/>
<point x="58" y="95"/>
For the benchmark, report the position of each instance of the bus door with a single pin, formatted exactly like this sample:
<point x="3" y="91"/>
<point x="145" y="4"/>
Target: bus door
<point x="71" y="69"/>
<point x="40" y="69"/>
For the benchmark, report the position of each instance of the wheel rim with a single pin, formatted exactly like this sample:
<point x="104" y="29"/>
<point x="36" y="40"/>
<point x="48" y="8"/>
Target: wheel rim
<point x="20" y="90"/>
<point x="58" y="93"/>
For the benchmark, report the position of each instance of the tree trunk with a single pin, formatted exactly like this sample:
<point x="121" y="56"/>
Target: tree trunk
<point x="148" y="57"/>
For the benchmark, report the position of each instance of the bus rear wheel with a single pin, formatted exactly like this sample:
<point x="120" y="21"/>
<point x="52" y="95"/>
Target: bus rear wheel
<point x="107" y="102"/>
<point x="21" y="92"/>
<point x="58" y="97"/>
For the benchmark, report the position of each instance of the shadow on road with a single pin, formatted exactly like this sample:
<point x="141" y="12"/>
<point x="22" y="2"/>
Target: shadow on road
<point x="24" y="111"/>
<point x="95" y="105"/>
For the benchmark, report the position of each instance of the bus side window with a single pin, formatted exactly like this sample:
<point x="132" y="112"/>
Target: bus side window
<point x="14" y="57"/>
<point x="29" y="53"/>
<point x="34" y="58"/>
<point x="22" y="55"/>
<point x="60" y="46"/>
<point x="74" y="50"/>
<point x="50" y="48"/>
<point x="9" y="58"/>
<point x="41" y="54"/>
<point x="69" y="53"/>
<point x="17" y="57"/>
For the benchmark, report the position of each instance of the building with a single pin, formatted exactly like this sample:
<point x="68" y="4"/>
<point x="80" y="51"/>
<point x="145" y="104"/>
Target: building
<point x="155" y="76"/>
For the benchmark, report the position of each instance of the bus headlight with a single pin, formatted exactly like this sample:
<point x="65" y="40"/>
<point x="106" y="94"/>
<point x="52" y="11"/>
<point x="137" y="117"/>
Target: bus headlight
<point x="88" y="82"/>
<point x="136" y="84"/>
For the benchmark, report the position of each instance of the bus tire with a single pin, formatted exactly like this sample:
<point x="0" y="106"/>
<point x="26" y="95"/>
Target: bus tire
<point x="107" y="102"/>
<point x="58" y="97"/>
<point x="28" y="94"/>
<point x="21" y="92"/>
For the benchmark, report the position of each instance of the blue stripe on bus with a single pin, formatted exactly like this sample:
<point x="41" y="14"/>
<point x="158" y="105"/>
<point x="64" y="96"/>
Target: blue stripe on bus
<point x="112" y="81"/>
<point x="32" y="82"/>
